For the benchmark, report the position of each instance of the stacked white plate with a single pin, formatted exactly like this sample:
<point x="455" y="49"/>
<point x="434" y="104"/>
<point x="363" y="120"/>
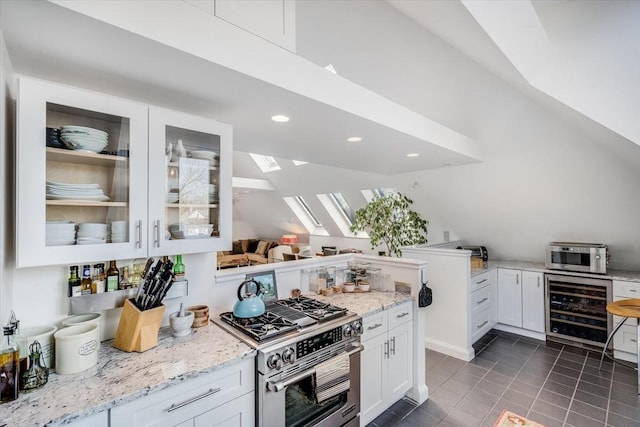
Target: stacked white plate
<point x="92" y="233"/>
<point x="119" y="231"/>
<point x="83" y="138"/>
<point x="63" y="191"/>
<point x="59" y="233"/>
<point x="211" y="156"/>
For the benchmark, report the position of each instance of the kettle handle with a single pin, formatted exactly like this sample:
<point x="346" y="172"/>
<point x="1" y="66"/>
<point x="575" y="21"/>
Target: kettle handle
<point x="258" y="293"/>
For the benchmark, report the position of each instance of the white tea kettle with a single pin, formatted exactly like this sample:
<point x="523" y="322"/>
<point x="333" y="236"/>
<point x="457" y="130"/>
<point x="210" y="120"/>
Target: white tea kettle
<point x="249" y="305"/>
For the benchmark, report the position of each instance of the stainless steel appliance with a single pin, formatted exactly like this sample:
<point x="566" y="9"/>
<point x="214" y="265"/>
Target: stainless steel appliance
<point x="582" y="257"/>
<point x="289" y="354"/>
<point x="576" y="309"/>
<point x="477" y="251"/>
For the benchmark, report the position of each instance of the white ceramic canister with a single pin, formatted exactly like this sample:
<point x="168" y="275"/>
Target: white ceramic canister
<point x="42" y="334"/>
<point x="80" y="319"/>
<point x="76" y="348"/>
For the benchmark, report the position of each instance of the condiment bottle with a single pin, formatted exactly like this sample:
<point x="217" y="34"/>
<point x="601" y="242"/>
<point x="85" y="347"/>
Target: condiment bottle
<point x="74" y="282"/>
<point x="37" y="375"/>
<point x="113" y="277"/>
<point x="9" y="365"/>
<point x="98" y="279"/>
<point x="124" y="283"/>
<point x="178" y="269"/>
<point x="85" y="285"/>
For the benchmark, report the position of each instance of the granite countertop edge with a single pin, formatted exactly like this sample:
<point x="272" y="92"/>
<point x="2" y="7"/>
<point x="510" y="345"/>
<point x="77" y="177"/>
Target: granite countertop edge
<point x="623" y="275"/>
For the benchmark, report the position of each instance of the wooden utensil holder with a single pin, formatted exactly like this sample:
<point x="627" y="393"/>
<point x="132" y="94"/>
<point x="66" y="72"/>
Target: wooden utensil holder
<point x="138" y="330"/>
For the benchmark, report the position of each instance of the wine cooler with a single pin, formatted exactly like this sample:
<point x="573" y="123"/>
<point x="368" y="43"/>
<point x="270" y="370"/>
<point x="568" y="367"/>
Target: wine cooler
<point x="576" y="309"/>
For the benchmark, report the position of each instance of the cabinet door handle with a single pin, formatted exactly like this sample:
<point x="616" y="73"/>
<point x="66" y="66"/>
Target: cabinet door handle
<point x="401" y="315"/>
<point x="393" y="346"/>
<point x="517" y="279"/>
<point x="175" y="406"/>
<point x="632" y="340"/>
<point x="139" y="234"/>
<point x="482" y="324"/>
<point x="538" y="280"/>
<point x="632" y="290"/>
<point x="386" y="349"/>
<point x="156" y="231"/>
<point x="482" y="300"/>
<point x="481" y="281"/>
<point x="376" y="326"/>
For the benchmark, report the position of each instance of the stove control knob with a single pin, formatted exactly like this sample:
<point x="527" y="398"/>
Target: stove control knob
<point x="357" y="327"/>
<point x="274" y="361"/>
<point x="289" y="355"/>
<point x="347" y="331"/>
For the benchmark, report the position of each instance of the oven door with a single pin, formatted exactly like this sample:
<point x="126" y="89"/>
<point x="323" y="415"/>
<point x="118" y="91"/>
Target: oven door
<point x="290" y="402"/>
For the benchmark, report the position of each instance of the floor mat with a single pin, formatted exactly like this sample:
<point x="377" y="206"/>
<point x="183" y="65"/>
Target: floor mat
<point x="510" y="419"/>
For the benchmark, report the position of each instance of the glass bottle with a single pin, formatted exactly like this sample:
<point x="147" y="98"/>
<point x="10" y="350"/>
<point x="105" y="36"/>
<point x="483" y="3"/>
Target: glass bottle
<point x="113" y="277"/>
<point x="85" y="285"/>
<point x="178" y="269"/>
<point x="37" y="375"/>
<point x="9" y="365"/>
<point x="74" y="282"/>
<point x="124" y="282"/>
<point x="98" y="278"/>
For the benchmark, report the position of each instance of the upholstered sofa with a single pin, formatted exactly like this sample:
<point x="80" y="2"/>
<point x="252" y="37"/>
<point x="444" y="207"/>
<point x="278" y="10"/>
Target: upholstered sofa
<point x="246" y="252"/>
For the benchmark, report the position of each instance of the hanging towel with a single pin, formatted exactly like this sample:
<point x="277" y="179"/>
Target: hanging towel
<point x="332" y="377"/>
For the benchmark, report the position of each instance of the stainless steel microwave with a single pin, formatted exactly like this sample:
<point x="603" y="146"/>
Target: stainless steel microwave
<point x="581" y="257"/>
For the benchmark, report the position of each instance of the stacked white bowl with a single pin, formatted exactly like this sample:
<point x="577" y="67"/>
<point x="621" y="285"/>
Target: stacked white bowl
<point x="82" y="138"/>
<point x="92" y="233"/>
<point x="119" y="231"/>
<point x="60" y="233"/>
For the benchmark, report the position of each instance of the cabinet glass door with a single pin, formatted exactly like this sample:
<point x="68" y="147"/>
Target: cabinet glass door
<point x="191" y="185"/>
<point x="77" y="197"/>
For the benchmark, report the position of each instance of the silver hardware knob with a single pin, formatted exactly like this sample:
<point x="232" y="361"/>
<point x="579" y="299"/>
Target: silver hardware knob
<point x="289" y="355"/>
<point x="274" y="361"/>
<point x="347" y="331"/>
<point x="357" y="326"/>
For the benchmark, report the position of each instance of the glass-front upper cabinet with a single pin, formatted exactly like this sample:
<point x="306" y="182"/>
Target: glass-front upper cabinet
<point x="189" y="183"/>
<point x="81" y="176"/>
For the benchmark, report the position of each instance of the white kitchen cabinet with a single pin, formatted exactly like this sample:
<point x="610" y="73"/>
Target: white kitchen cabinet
<point x="189" y="196"/>
<point x="386" y="361"/>
<point x="128" y="175"/>
<point x="625" y="341"/>
<point x="272" y="20"/>
<point x="483" y="305"/>
<point x="224" y="397"/>
<point x="521" y="299"/>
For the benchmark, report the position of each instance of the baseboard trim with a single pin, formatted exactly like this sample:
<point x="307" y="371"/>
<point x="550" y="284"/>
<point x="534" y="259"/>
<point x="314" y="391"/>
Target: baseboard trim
<point x="519" y="331"/>
<point x="461" y="353"/>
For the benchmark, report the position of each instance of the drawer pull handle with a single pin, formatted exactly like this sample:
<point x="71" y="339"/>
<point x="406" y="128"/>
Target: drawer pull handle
<point x="632" y="340"/>
<point x="481" y="281"/>
<point x="175" y="406"/>
<point x="377" y="325"/>
<point x="482" y="324"/>
<point x="632" y="290"/>
<point x="482" y="300"/>
<point x="401" y="315"/>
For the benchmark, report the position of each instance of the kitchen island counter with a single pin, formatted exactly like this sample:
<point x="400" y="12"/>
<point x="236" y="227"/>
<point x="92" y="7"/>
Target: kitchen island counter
<point x="632" y="276"/>
<point x="120" y="377"/>
<point x="365" y="303"/>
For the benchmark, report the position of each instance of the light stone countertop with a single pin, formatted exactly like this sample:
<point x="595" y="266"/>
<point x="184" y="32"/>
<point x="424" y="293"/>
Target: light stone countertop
<point x="365" y="303"/>
<point x="631" y="276"/>
<point x="120" y="377"/>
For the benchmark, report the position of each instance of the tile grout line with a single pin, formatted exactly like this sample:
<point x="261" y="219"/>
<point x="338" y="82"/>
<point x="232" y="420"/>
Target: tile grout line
<point x="575" y="389"/>
<point x="555" y="362"/>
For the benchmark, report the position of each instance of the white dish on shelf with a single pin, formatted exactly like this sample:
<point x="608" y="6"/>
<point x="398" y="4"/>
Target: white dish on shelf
<point x="83" y="144"/>
<point x="70" y="185"/>
<point x="204" y="154"/>
<point x="82" y="129"/>
<point x="80" y="198"/>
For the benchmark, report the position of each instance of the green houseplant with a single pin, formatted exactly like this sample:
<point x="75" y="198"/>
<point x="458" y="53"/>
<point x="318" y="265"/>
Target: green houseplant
<point x="388" y="219"/>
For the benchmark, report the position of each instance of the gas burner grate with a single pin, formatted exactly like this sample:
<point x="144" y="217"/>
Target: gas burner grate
<point x="262" y="327"/>
<point x="313" y="308"/>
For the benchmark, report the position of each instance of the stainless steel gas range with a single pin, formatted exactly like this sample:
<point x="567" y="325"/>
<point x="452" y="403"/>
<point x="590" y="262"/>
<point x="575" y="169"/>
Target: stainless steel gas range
<point x="307" y="365"/>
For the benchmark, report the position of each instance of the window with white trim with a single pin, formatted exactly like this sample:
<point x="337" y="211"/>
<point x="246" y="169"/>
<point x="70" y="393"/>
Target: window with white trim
<point x="265" y="163"/>
<point x="301" y="209"/>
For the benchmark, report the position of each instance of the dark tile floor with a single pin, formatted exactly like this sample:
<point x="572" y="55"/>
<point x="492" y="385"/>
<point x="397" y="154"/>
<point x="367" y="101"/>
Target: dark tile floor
<point x="550" y="383"/>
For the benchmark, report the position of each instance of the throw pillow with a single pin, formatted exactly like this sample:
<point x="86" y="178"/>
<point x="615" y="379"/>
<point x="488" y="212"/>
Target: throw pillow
<point x="237" y="248"/>
<point x="252" y="245"/>
<point x="262" y="247"/>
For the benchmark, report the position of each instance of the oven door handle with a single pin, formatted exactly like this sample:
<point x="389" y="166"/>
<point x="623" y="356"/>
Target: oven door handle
<point x="281" y="385"/>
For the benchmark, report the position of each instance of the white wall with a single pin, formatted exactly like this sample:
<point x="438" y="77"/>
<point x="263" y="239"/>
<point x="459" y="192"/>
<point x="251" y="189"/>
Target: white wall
<point x="544" y="178"/>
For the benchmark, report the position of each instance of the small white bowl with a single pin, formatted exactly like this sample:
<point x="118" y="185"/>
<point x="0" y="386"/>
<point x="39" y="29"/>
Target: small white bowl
<point x="181" y="326"/>
<point x="348" y="287"/>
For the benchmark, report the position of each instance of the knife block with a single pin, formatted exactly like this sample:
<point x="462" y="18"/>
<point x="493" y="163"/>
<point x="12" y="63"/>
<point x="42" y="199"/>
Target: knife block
<point x="138" y="330"/>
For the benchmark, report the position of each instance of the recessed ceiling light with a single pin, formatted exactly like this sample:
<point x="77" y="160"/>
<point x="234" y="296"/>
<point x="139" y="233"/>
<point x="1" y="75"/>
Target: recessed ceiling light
<point x="280" y="118"/>
<point x="413" y="155"/>
<point x="354" y="139"/>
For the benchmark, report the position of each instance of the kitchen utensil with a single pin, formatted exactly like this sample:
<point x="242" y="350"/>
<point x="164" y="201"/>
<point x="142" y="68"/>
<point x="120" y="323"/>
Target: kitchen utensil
<point x="138" y="330"/>
<point x="37" y="375"/>
<point x="201" y="315"/>
<point x="249" y="305"/>
<point x="76" y="348"/>
<point x="181" y="324"/>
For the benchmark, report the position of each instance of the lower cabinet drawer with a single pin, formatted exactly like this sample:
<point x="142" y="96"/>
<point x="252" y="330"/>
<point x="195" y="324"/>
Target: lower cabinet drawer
<point x="626" y="339"/>
<point x="481" y="299"/>
<point x="480" y="324"/>
<point x="622" y="289"/>
<point x="400" y="314"/>
<point x="374" y="324"/>
<point x="185" y="401"/>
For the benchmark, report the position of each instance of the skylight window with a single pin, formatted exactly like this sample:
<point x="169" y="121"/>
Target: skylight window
<point x="299" y="162"/>
<point x="341" y="213"/>
<point x="300" y="208"/>
<point x="265" y="163"/>
<point x="377" y="192"/>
